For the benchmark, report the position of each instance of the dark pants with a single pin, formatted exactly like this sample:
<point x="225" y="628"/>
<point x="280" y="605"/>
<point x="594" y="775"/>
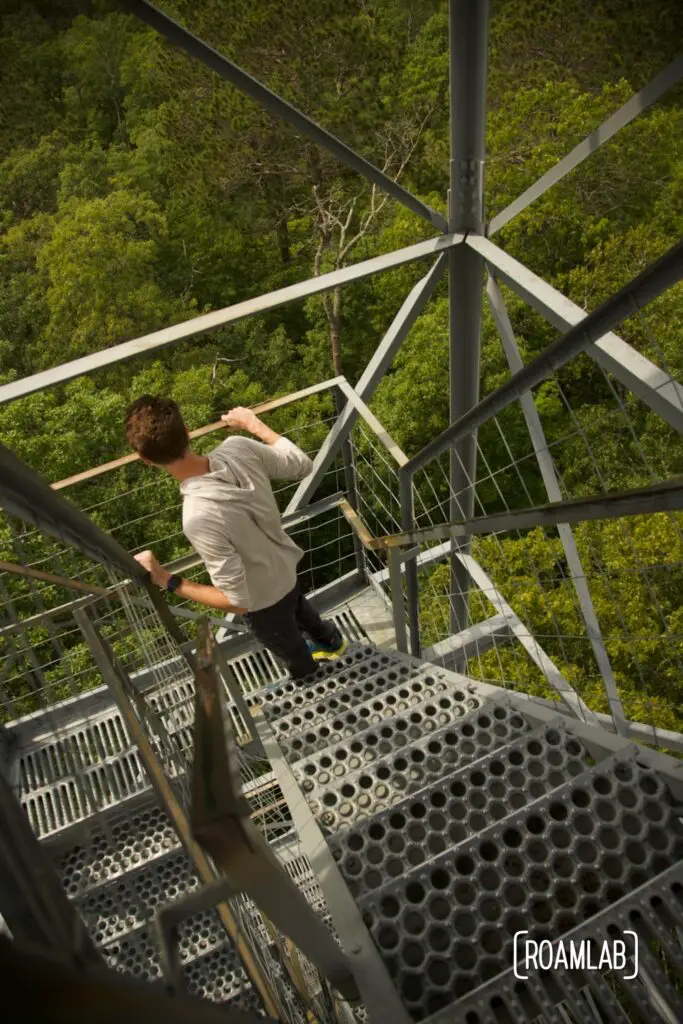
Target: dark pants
<point x="280" y="628"/>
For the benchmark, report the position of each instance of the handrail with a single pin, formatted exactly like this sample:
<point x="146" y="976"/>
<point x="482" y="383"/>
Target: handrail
<point x="660" y="497"/>
<point x="260" y="407"/>
<point x="96" y="594"/>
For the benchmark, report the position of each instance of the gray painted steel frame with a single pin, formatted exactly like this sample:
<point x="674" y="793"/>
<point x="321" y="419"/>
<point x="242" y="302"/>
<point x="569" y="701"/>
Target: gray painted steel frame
<point x="469" y="568"/>
<point x="372" y="375"/>
<point x="662" y="497"/>
<point x="636" y="105"/>
<point x="468" y="40"/>
<point x="552" y="486"/>
<point x="644" y="288"/>
<point x="201" y="51"/>
<point x="210" y="321"/>
<point x="221" y="823"/>
<point x="120" y="686"/>
<point x="376" y="987"/>
<point x="469" y="181"/>
<point x="651" y="384"/>
<point x="640" y="731"/>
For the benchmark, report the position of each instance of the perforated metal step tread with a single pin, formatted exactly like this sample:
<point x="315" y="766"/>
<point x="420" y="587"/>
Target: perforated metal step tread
<point x="213" y="967"/>
<point x="385" y="706"/>
<point x="358" y="662"/>
<point x="259" y="668"/>
<point x="338" y="747"/>
<point x="463" y="803"/>
<point x="378" y="786"/>
<point x="654" y="911"/>
<point x="129" y="842"/>
<point x="447" y="927"/>
<point x="347" y="695"/>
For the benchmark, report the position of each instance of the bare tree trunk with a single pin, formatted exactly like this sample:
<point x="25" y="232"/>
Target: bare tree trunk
<point x="282" y="231"/>
<point x="334" y="317"/>
<point x="276" y="195"/>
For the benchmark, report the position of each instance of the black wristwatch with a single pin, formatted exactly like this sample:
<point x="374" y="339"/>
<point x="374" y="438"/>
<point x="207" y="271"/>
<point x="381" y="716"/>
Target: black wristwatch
<point x="173" y="583"/>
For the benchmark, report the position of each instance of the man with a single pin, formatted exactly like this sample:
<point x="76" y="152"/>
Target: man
<point x="231" y="518"/>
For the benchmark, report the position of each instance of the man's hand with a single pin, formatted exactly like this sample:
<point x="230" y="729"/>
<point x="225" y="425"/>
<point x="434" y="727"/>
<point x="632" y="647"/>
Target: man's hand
<point x="242" y="419"/>
<point x="159" y="575"/>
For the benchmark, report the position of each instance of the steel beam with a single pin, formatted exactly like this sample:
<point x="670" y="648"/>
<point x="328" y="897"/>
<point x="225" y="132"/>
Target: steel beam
<point x="374" y="372"/>
<point x="376" y="427"/>
<point x="468" y="32"/>
<point x="425" y="558"/>
<point x="654" y="280"/>
<point x="641" y="101"/>
<point x="120" y="686"/>
<point x="235" y="692"/>
<point x="547" y="666"/>
<point x="639" y="731"/>
<point x="666" y="496"/>
<point x="662" y="497"/>
<point x="474" y="641"/>
<point x="396" y="586"/>
<point x="350" y="485"/>
<point x="652" y="385"/>
<point x="377" y="990"/>
<point x="221" y="822"/>
<point x="201" y="51"/>
<point x="219" y="318"/>
<point x="24" y="493"/>
<point x="552" y="486"/>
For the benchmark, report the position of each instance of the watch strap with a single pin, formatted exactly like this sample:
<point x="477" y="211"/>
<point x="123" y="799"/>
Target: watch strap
<point x="173" y="583"/>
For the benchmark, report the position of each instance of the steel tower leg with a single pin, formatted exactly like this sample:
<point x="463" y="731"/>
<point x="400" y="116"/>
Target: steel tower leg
<point x="468" y="31"/>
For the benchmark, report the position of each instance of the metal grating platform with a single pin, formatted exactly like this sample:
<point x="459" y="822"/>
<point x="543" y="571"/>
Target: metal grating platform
<point x="450" y="837"/>
<point x="75" y="762"/>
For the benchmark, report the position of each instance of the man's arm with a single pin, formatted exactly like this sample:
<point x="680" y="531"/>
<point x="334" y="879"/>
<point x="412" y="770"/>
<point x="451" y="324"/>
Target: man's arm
<point x="281" y="458"/>
<point x="202" y="593"/>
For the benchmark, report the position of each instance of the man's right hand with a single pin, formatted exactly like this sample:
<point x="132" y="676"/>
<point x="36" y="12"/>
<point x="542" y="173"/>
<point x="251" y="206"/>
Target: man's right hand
<point x="241" y="419"/>
<point x="159" y="575"/>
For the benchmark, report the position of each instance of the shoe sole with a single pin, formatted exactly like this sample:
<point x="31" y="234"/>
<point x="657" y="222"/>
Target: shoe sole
<point x="329" y="655"/>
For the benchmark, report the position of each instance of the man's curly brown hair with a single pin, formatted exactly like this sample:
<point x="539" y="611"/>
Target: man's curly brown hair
<point x="155" y="429"/>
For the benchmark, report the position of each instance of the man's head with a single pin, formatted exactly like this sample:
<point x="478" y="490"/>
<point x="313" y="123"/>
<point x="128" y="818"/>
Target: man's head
<point x="155" y="430"/>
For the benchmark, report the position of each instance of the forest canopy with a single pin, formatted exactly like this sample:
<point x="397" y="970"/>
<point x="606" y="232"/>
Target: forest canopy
<point x="138" y="190"/>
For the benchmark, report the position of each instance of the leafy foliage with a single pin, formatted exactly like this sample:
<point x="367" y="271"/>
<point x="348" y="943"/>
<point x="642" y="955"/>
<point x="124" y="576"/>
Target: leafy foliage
<point x="138" y="190"/>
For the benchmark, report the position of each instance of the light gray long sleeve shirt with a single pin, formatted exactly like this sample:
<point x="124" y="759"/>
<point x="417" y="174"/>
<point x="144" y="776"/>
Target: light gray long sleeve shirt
<point x="231" y="518"/>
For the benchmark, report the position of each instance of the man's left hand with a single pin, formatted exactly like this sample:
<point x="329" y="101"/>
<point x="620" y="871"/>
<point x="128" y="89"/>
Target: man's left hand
<point x="159" y="575"/>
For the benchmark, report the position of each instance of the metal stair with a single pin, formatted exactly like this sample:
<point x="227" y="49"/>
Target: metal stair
<point x="119" y="873"/>
<point x="459" y="814"/>
<point x="119" y="859"/>
<point x="456" y="813"/>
